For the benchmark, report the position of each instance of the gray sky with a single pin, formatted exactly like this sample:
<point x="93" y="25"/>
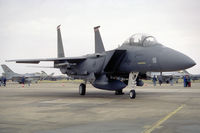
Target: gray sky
<point x="28" y="27"/>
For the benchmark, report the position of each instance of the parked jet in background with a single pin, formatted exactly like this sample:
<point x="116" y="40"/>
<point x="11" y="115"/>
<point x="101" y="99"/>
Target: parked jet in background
<point x="53" y="77"/>
<point x="192" y="76"/>
<point x="115" y="69"/>
<point x="166" y="76"/>
<point x="45" y="76"/>
<point x="15" y="77"/>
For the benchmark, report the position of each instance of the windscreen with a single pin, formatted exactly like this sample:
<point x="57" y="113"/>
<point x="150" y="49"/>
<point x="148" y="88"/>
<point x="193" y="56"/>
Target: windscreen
<point x="140" y="40"/>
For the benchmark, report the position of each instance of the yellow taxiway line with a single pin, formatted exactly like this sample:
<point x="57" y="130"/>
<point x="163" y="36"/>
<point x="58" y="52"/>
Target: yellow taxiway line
<point x="158" y="123"/>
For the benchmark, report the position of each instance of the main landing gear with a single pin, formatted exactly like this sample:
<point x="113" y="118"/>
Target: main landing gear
<point x="82" y="89"/>
<point x="119" y="92"/>
<point x="131" y="83"/>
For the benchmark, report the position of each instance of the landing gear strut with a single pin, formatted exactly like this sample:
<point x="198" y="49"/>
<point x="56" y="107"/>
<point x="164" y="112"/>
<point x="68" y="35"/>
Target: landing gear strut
<point x="82" y="89"/>
<point x="132" y="84"/>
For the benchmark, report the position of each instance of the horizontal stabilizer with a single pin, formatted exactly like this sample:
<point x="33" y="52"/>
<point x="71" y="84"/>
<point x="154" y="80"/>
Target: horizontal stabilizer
<point x="31" y="62"/>
<point x="40" y="67"/>
<point x="185" y="72"/>
<point x="36" y="61"/>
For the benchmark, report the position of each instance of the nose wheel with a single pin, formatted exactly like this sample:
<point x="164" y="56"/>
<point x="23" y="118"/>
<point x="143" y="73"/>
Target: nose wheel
<point x="132" y="94"/>
<point x="82" y="89"/>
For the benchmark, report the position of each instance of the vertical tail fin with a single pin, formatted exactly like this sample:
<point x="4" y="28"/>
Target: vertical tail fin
<point x="6" y="69"/>
<point x="185" y="72"/>
<point x="8" y="73"/>
<point x="51" y="74"/>
<point x="43" y="72"/>
<point x="99" y="48"/>
<point x="60" y="51"/>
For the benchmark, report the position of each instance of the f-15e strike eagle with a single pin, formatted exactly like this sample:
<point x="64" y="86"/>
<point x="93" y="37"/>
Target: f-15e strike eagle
<point x="115" y="69"/>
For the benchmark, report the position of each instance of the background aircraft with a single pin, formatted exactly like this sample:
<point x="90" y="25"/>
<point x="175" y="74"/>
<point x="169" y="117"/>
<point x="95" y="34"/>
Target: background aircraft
<point x="45" y="76"/>
<point x="192" y="76"/>
<point x="15" y="77"/>
<point x="115" y="69"/>
<point x="53" y="77"/>
<point x="165" y="76"/>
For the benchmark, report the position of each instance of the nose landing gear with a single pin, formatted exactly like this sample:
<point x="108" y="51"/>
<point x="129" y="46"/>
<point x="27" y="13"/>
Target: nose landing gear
<point x="132" y="84"/>
<point x="132" y="94"/>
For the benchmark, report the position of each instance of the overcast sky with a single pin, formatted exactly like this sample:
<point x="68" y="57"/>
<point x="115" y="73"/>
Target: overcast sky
<point x="28" y="27"/>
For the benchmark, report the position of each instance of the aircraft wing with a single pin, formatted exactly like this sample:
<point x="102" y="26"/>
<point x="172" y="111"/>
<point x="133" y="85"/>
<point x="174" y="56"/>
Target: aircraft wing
<point x="62" y="59"/>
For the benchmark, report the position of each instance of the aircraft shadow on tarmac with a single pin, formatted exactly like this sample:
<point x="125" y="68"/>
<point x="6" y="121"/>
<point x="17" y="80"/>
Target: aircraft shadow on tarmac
<point x="71" y="95"/>
<point x="104" y="95"/>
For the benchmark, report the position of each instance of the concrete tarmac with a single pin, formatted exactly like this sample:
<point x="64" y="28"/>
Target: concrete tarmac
<point x="58" y="108"/>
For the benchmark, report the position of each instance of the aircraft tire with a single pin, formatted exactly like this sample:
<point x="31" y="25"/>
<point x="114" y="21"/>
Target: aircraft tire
<point x="132" y="94"/>
<point x="82" y="89"/>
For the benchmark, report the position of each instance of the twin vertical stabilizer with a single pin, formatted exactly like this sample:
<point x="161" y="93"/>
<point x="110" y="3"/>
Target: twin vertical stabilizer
<point x="99" y="48"/>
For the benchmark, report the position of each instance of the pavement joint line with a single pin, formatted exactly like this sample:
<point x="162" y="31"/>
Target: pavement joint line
<point x="161" y="121"/>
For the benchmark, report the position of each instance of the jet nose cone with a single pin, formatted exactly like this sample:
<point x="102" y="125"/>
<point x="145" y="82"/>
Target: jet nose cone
<point x="185" y="62"/>
<point x="189" y="62"/>
<point x="172" y="60"/>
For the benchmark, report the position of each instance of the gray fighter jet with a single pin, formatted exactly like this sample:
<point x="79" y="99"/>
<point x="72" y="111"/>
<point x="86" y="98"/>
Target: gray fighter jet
<point x="53" y="77"/>
<point x="15" y="77"/>
<point x="192" y="76"/>
<point x="166" y="76"/>
<point x="115" y="69"/>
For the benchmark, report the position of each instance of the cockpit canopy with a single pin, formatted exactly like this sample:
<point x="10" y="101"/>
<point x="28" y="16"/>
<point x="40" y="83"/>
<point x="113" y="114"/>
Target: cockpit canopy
<point x="142" y="40"/>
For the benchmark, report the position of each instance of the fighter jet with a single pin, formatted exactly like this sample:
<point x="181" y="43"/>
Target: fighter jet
<point x="52" y="77"/>
<point x="192" y="76"/>
<point x="15" y="77"/>
<point x="45" y="76"/>
<point x="166" y="76"/>
<point x="115" y="69"/>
